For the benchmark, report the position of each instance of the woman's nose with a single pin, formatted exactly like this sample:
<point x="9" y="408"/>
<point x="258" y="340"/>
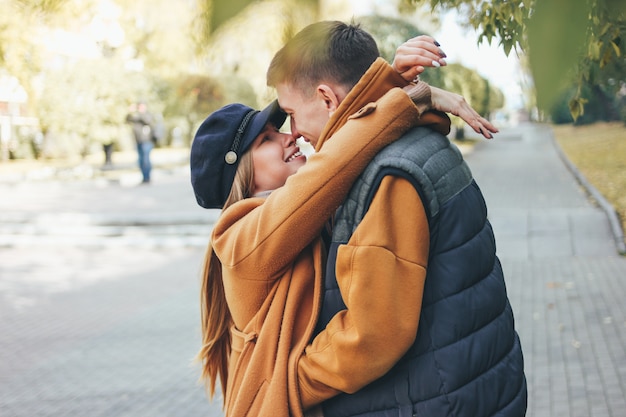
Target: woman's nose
<point x="288" y="139"/>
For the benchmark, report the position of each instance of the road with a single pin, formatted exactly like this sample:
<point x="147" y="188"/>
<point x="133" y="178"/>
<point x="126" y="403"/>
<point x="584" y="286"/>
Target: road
<point x="99" y="284"/>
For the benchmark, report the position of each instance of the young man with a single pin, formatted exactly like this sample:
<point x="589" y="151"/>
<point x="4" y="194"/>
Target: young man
<point x="415" y="317"/>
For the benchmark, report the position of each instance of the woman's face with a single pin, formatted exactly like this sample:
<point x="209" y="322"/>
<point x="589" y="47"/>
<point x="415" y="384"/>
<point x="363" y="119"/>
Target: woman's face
<point x="275" y="157"/>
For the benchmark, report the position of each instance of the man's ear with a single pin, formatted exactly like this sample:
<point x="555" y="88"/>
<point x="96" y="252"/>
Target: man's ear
<point x="328" y="95"/>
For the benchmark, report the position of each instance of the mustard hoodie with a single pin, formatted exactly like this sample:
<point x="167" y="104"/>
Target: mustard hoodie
<point x="273" y="258"/>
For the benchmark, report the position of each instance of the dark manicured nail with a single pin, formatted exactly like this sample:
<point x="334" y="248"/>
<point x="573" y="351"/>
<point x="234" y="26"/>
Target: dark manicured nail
<point x="437" y="43"/>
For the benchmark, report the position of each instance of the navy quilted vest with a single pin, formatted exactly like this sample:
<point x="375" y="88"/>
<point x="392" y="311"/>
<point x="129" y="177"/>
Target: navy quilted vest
<point x="467" y="358"/>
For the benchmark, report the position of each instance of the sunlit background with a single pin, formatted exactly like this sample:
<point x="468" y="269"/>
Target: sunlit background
<point x="68" y="81"/>
<point x="99" y="275"/>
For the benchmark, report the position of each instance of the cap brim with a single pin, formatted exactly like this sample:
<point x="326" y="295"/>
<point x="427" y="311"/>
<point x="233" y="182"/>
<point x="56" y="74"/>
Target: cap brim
<point x="272" y="113"/>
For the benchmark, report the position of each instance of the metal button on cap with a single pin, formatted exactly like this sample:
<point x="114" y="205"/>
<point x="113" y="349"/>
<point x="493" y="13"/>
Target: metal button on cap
<point x="230" y="158"/>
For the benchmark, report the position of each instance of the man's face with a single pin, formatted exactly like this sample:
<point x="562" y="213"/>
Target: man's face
<point x="308" y="115"/>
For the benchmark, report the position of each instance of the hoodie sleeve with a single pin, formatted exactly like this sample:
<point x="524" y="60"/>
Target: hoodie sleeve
<point x="260" y="240"/>
<point x="381" y="273"/>
<point x="420" y="93"/>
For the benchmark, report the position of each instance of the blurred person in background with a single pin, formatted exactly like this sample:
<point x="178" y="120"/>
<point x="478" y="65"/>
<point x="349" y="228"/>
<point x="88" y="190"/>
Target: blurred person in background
<point x="142" y="124"/>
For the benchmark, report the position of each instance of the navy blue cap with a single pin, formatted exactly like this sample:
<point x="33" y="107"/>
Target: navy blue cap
<point x="218" y="145"/>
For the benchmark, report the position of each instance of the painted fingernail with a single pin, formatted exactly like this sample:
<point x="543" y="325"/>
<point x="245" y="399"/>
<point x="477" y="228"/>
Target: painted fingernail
<point x="437" y="43"/>
<point x="436" y="64"/>
<point x="442" y="54"/>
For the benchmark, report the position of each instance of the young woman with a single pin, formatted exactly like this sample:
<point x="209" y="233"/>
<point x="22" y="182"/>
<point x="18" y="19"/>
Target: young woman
<point x="263" y="267"/>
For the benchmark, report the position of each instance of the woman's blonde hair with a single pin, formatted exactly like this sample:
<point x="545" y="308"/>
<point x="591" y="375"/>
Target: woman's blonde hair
<point x="215" y="315"/>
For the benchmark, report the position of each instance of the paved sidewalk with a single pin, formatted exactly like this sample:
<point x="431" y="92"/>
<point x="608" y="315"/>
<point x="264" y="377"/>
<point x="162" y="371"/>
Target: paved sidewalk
<point x="565" y="278"/>
<point x="103" y="207"/>
<point x="99" y="289"/>
<point x="99" y="283"/>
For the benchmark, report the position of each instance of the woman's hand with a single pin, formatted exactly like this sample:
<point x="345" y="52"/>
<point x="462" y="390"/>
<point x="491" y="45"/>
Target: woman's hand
<point x="414" y="55"/>
<point x="455" y="104"/>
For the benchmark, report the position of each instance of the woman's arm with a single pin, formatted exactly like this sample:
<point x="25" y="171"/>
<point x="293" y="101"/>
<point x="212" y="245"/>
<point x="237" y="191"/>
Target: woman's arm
<point x="452" y="103"/>
<point x="262" y="239"/>
<point x="410" y="61"/>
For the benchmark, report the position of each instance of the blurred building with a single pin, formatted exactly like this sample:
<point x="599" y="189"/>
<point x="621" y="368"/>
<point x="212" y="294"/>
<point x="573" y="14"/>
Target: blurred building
<point x="13" y="122"/>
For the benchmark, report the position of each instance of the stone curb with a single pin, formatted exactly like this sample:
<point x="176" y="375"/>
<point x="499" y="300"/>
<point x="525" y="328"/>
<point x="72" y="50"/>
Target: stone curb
<point x="616" y="226"/>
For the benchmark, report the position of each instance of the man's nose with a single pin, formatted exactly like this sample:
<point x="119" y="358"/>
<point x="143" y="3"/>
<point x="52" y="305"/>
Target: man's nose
<point x="294" y="129"/>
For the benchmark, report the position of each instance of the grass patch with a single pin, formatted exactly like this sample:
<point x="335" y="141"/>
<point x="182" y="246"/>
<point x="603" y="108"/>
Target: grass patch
<point x="599" y="153"/>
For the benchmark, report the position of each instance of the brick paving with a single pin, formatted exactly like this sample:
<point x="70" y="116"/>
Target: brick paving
<point x="99" y="288"/>
<point x="565" y="278"/>
<point x="100" y="332"/>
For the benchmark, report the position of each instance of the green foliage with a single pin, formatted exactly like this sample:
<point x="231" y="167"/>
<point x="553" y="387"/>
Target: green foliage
<point x="568" y="41"/>
<point x="496" y="98"/>
<point x="85" y="104"/>
<point x="560" y="112"/>
<point x="214" y="15"/>
<point x="503" y="20"/>
<point x="389" y="33"/>
<point x="478" y="92"/>
<point x="158" y="35"/>
<point x="19" y="54"/>
<point x="240" y="48"/>
<point x="224" y="10"/>
<point x="197" y="95"/>
<point x="554" y="45"/>
<point x="193" y="97"/>
<point x="81" y="98"/>
<point x="600" y="105"/>
<point x="576" y="107"/>
<point x="41" y="6"/>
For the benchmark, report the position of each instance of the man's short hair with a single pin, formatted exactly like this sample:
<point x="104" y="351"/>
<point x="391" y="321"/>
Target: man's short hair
<point x="330" y="51"/>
